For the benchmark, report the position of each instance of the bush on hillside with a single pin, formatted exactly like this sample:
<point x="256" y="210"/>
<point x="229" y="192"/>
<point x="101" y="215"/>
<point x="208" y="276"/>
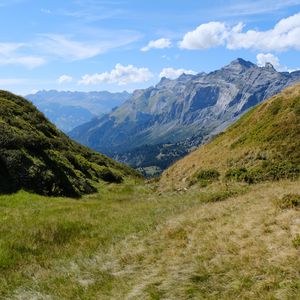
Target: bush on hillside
<point x="288" y="201"/>
<point x="267" y="172"/>
<point x="205" y="177"/>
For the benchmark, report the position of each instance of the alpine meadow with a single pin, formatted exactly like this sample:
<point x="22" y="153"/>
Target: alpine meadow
<point x="145" y="159"/>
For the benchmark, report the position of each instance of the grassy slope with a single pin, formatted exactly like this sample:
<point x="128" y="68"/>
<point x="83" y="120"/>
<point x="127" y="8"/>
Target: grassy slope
<point x="36" y="156"/>
<point x="266" y="138"/>
<point x="130" y="242"/>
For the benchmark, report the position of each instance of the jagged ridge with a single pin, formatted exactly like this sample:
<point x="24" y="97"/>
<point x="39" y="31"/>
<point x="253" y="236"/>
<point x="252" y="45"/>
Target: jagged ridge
<point x="176" y="110"/>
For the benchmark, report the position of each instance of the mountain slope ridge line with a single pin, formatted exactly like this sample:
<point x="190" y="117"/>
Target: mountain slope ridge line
<point x="263" y="144"/>
<point x="176" y="115"/>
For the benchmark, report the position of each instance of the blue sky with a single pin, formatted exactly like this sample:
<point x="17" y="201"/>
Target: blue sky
<point x="127" y="44"/>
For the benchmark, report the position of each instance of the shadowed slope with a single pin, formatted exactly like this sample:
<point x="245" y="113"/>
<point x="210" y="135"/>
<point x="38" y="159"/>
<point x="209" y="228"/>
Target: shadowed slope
<point x="34" y="155"/>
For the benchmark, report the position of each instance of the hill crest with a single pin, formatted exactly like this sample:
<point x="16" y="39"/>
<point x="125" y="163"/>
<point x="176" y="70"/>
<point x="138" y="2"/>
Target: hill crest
<point x="37" y="157"/>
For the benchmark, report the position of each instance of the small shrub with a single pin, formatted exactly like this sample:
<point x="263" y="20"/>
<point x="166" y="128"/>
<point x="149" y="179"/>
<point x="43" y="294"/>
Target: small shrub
<point x="236" y="174"/>
<point x="286" y="170"/>
<point x="296" y="241"/>
<point x="208" y="174"/>
<point x="275" y="107"/>
<point x="297" y="107"/>
<point x="268" y="171"/>
<point x="205" y="177"/>
<point x="289" y="201"/>
<point x="109" y="176"/>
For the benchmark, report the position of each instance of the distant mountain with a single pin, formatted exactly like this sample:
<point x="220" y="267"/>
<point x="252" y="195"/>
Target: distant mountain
<point x="187" y="110"/>
<point x="37" y="157"/>
<point x="263" y="145"/>
<point x="68" y="110"/>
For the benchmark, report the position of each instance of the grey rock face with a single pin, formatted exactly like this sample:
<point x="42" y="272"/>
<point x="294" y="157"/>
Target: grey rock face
<point x="176" y="110"/>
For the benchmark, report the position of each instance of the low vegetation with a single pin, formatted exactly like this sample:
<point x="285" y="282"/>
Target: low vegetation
<point x="289" y="201"/>
<point x="205" y="177"/>
<point x="35" y="156"/>
<point x="227" y="228"/>
<point x="129" y="242"/>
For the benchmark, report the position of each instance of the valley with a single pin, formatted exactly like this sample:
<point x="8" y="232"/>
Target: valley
<point x="68" y="110"/>
<point x="149" y="150"/>
<point x="173" y="117"/>
<point x="221" y="223"/>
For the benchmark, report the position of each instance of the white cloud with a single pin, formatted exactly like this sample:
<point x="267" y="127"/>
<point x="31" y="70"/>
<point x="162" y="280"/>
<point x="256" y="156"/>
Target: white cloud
<point x="121" y="75"/>
<point x="263" y="58"/>
<point x="175" y="73"/>
<point x="66" y="47"/>
<point x="64" y="79"/>
<point x="205" y="36"/>
<point x="157" y="44"/>
<point x="10" y="55"/>
<point x="284" y="36"/>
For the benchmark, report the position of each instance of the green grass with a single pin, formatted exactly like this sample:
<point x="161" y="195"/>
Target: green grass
<point x="224" y="241"/>
<point x="39" y="234"/>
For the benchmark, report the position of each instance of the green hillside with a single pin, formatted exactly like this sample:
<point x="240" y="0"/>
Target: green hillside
<point x="220" y="239"/>
<point x="37" y="157"/>
<point x="263" y="145"/>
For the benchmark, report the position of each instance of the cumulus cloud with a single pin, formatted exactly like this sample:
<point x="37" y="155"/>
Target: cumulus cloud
<point x="10" y="55"/>
<point x="263" y="58"/>
<point x="64" y="79"/>
<point x="157" y="44"/>
<point x="205" y="36"/>
<point x="284" y="36"/>
<point x="120" y="75"/>
<point x="172" y="73"/>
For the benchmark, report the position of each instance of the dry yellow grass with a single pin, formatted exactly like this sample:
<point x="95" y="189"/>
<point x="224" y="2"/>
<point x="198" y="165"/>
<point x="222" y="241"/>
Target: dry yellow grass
<point x="241" y="248"/>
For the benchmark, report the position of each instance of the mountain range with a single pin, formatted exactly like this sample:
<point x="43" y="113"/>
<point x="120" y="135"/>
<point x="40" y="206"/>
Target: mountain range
<point x="68" y="110"/>
<point x="263" y="145"/>
<point x="158" y="125"/>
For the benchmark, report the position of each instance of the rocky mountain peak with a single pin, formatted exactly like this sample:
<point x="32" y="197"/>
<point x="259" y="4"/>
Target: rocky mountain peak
<point x="239" y="62"/>
<point x="185" y="77"/>
<point x="163" y="81"/>
<point x="180" y="110"/>
<point x="269" y="67"/>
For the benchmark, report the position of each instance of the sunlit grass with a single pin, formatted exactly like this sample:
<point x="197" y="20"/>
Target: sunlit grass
<point x="38" y="234"/>
<point x="223" y="241"/>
